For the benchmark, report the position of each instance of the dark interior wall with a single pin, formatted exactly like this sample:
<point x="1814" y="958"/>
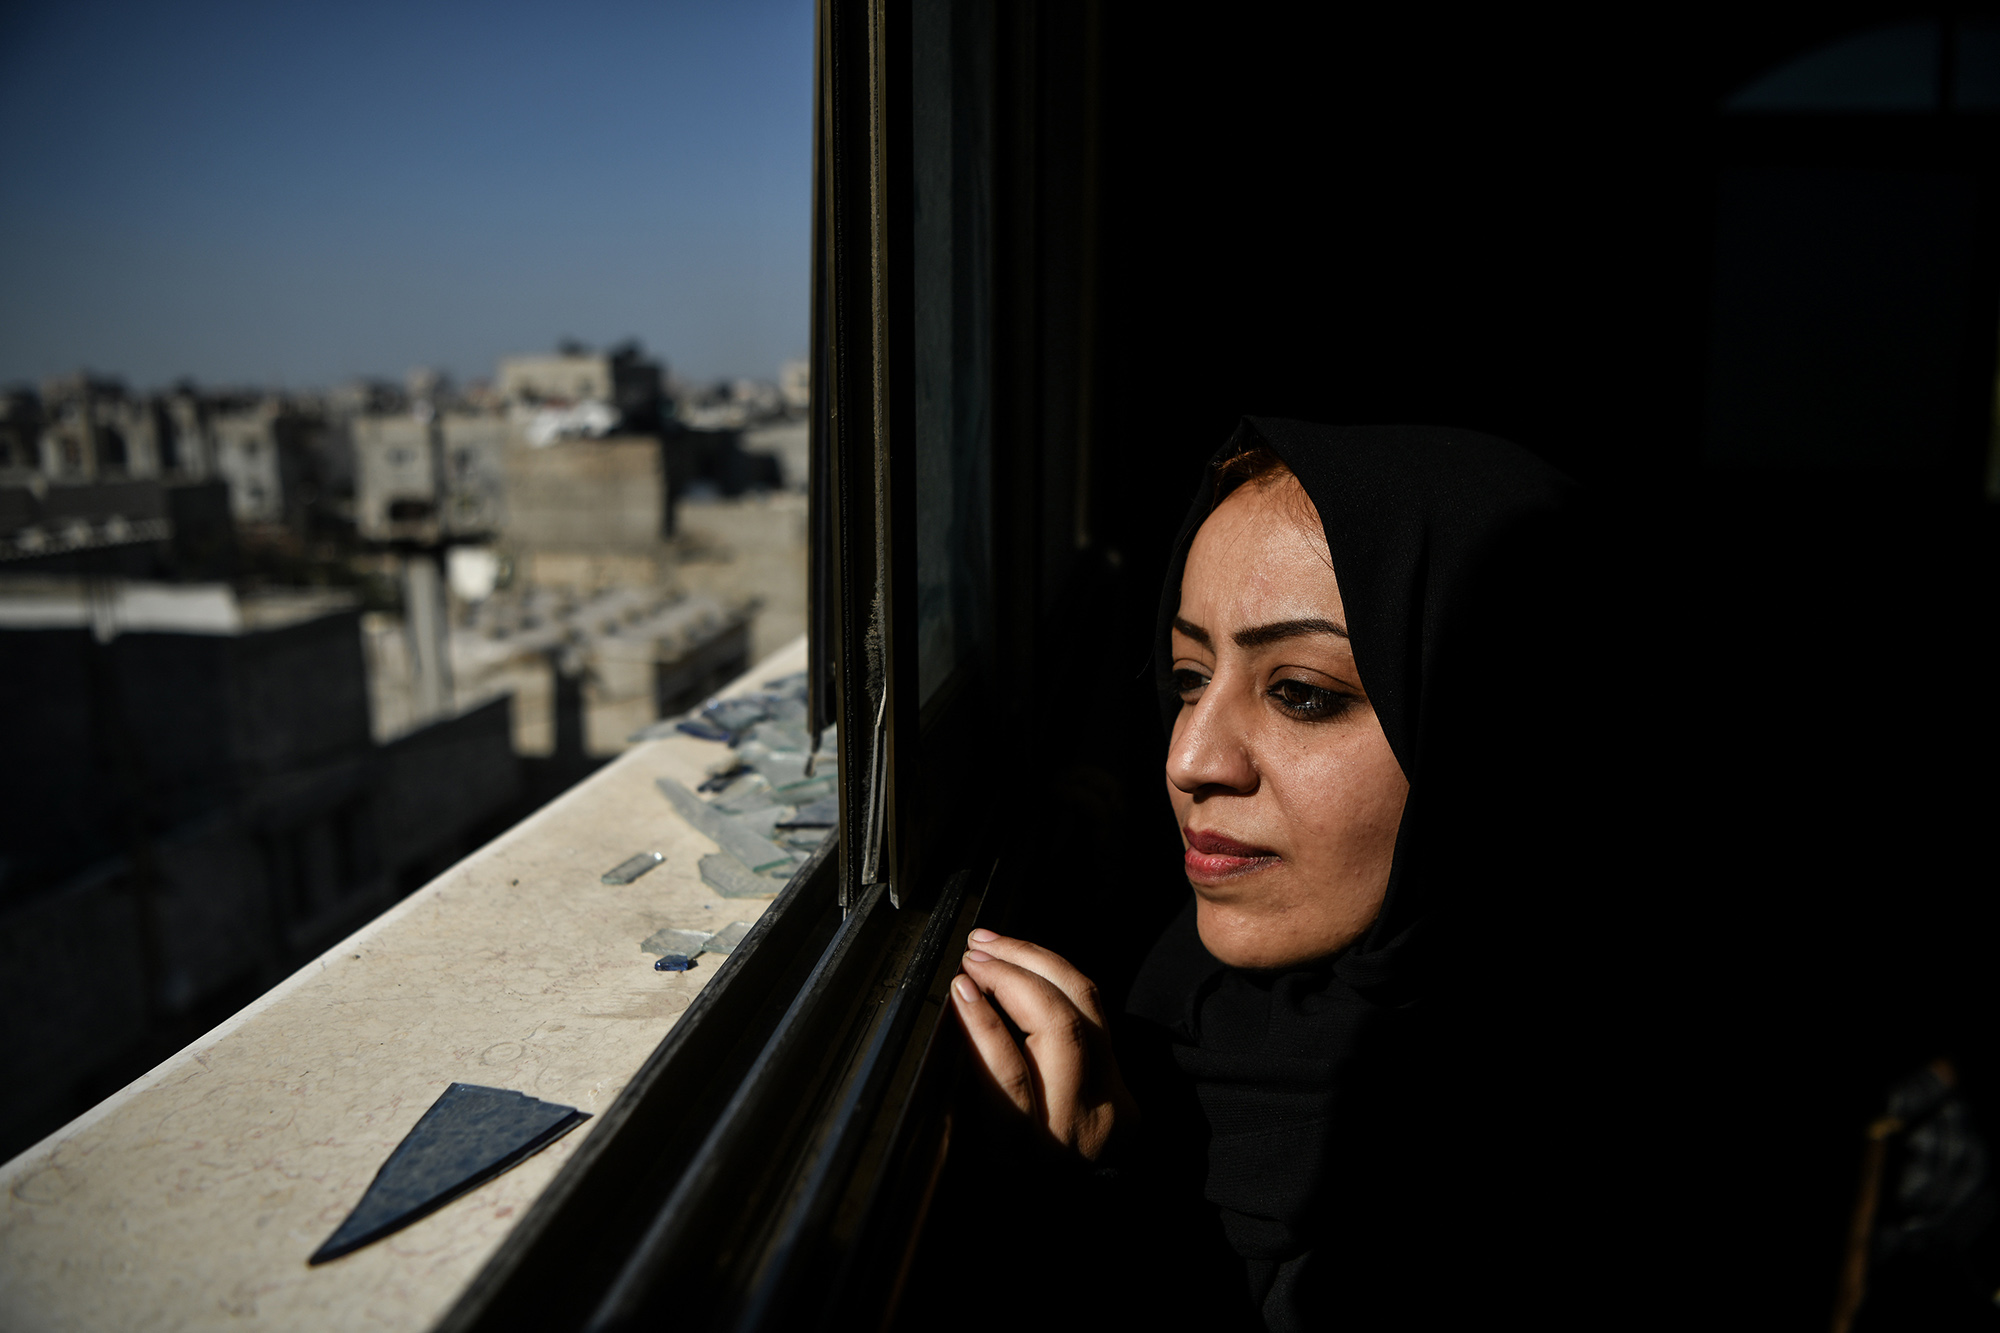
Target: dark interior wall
<point x="1843" y="301"/>
<point x="1484" y="222"/>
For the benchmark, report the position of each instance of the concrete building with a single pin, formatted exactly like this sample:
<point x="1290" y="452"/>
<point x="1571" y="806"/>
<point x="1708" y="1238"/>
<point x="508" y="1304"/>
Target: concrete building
<point x="636" y="654"/>
<point x="136" y="528"/>
<point x="473" y="450"/>
<point x="278" y="456"/>
<point x="396" y="486"/>
<point x="588" y="513"/>
<point x="186" y="449"/>
<point x="429" y="480"/>
<point x="623" y="377"/>
<point x="194" y="804"/>
<point x="93" y="427"/>
<point x="259" y="450"/>
<point x="561" y="378"/>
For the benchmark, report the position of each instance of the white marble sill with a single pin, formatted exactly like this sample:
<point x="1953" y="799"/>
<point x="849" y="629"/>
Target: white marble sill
<point x="191" y="1198"/>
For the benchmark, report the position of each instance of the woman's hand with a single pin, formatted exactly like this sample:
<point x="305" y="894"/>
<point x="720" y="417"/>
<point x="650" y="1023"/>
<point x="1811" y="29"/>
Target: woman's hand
<point x="1063" y="1077"/>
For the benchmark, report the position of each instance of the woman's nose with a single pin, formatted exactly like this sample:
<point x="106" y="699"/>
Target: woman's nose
<point x="1210" y="749"/>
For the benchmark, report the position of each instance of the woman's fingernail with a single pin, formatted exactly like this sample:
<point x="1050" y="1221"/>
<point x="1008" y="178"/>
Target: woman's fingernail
<point x="978" y="957"/>
<point x="983" y="936"/>
<point x="965" y="990"/>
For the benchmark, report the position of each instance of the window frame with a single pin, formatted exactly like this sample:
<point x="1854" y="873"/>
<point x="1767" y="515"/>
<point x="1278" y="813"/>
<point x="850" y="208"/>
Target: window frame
<point x="776" y="1155"/>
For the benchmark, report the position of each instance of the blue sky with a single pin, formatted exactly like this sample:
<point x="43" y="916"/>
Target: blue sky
<point x="294" y="194"/>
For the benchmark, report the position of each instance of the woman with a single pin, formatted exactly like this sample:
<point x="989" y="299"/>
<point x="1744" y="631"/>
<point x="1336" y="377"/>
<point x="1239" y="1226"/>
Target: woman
<point x="1370" y="676"/>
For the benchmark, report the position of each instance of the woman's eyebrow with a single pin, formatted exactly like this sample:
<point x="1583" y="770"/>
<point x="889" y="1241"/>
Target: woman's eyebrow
<point x="1260" y="635"/>
<point x="1194" y="631"/>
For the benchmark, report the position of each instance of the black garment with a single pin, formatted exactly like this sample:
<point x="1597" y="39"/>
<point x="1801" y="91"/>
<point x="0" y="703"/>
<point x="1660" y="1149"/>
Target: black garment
<point x="1412" y="1133"/>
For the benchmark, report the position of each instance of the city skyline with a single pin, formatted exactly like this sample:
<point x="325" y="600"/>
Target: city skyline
<point x="440" y="186"/>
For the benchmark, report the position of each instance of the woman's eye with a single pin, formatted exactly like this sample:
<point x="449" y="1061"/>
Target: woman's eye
<point x="1311" y="703"/>
<point x="1187" y="682"/>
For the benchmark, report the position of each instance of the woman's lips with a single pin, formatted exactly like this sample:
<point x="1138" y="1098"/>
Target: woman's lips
<point x="1211" y="856"/>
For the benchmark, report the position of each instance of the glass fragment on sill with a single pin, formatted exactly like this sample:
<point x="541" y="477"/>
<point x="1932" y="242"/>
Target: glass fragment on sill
<point x="757" y="853"/>
<point x="776" y="715"/>
<point x="778" y="769"/>
<point x="764" y="823"/>
<point x="732" y="879"/>
<point x="469" y="1135"/>
<point x="778" y="749"/>
<point x="631" y="868"/>
<point x="804" y="793"/>
<point x="726" y="939"/>
<point x="674" y="962"/>
<point x="822" y="813"/>
<point x="733" y="716"/>
<point x="749" y="794"/>
<point x="670" y="940"/>
<point x="808" y="840"/>
<point x="875" y="821"/>
<point x="779" y="736"/>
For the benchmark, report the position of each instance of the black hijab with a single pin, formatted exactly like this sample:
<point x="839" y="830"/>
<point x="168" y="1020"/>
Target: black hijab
<point x="1365" y="1116"/>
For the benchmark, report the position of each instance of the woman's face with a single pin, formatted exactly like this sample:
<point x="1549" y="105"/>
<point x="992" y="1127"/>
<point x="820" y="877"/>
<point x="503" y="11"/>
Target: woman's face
<point x="1287" y="793"/>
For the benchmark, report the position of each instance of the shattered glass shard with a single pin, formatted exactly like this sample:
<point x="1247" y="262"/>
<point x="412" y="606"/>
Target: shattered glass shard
<point x="470" y="1135"/>
<point x="763" y="822"/>
<point x="753" y="793"/>
<point x="731" y="935"/>
<point x="812" y="789"/>
<point x="732" y="879"/>
<point x="631" y="868"/>
<point x="671" y="941"/>
<point x="674" y="962"/>
<point x="823" y="813"/>
<point x="736" y="715"/>
<point x="755" y="852"/>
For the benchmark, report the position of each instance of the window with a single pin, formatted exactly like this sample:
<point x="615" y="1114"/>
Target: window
<point x="927" y="482"/>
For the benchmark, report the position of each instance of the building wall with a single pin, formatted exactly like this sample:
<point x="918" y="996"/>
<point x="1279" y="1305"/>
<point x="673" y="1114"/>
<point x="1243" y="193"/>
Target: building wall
<point x="438" y="784"/>
<point x="475" y="474"/>
<point x="73" y="978"/>
<point x="396" y="478"/>
<point x="189" y="452"/>
<point x="587" y="496"/>
<point x="51" y="788"/>
<point x="185" y="817"/>
<point x="247" y="457"/>
<point x="562" y="379"/>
